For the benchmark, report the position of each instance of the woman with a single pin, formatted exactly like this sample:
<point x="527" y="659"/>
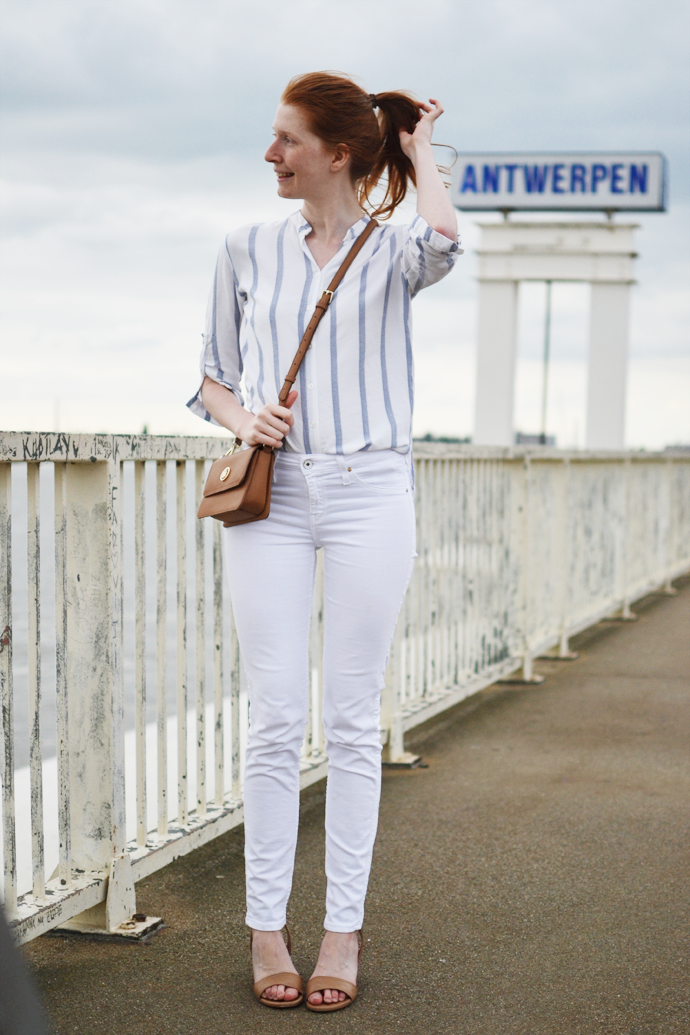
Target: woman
<point x="342" y="483"/>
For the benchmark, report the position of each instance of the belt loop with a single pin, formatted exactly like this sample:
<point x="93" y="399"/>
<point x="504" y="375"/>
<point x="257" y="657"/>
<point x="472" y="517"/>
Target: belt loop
<point x="344" y="469"/>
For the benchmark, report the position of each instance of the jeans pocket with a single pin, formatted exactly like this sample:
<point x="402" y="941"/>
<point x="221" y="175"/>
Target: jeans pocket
<point x="387" y="477"/>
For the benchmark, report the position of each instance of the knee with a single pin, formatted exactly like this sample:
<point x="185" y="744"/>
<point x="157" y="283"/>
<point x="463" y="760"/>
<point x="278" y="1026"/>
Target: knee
<point x="275" y="727"/>
<point x="356" y="730"/>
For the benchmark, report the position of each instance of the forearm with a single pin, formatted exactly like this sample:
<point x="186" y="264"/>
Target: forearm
<point x="224" y="406"/>
<point x="433" y="197"/>
<point x="268" y="427"/>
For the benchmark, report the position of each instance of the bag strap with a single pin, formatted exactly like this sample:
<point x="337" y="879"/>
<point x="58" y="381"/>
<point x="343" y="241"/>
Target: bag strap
<point x="321" y="307"/>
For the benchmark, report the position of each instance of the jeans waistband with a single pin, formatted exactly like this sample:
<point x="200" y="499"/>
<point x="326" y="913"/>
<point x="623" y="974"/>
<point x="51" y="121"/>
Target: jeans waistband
<point x="337" y="459"/>
<point x="325" y="463"/>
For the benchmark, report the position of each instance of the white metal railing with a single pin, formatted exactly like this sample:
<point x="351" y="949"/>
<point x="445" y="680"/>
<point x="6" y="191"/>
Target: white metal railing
<point x="127" y="753"/>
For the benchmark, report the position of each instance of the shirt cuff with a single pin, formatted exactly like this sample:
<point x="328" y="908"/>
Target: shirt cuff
<point x="197" y="407"/>
<point x="437" y="242"/>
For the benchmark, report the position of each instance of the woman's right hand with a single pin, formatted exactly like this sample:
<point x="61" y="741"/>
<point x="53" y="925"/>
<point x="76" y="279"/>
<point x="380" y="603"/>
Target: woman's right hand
<point x="270" y="425"/>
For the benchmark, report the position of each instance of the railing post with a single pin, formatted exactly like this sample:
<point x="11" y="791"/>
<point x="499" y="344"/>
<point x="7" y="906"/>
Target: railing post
<point x="6" y="694"/>
<point x="564" y="576"/>
<point x="200" y="646"/>
<point x="34" y="673"/>
<point x="61" y="701"/>
<point x="218" y="731"/>
<point x="93" y="677"/>
<point x="394" y="752"/>
<point x="626" y="614"/>
<point x="668" y="587"/>
<point x="181" y="639"/>
<point x="161" y="645"/>
<point x="522" y="541"/>
<point x="140" y="644"/>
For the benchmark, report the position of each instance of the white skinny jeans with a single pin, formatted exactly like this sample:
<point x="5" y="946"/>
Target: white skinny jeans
<point x="360" y="510"/>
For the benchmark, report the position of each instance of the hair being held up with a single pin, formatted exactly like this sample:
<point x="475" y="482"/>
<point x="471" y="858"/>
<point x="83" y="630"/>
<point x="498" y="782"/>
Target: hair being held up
<point x="341" y="112"/>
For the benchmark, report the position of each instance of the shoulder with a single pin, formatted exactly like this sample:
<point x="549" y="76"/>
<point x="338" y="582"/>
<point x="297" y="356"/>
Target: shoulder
<point x="390" y="231"/>
<point x="396" y="235"/>
<point x="244" y="240"/>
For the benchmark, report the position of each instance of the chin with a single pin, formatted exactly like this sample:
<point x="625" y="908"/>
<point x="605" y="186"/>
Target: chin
<point x="286" y="188"/>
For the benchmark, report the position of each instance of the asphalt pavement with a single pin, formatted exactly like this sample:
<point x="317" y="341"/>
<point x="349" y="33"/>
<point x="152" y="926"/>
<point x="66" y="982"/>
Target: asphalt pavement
<point x="533" y="880"/>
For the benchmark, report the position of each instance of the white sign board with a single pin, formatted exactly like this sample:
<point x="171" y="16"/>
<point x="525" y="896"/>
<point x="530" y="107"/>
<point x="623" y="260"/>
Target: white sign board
<point x="559" y="182"/>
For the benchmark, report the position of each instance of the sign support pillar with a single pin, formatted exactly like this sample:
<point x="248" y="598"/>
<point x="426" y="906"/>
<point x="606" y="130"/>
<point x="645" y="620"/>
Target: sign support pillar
<point x="494" y="398"/>
<point x="601" y="254"/>
<point x="609" y="321"/>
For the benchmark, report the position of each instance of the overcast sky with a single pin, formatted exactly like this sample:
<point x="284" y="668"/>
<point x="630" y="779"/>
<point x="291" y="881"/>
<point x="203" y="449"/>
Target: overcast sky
<point x="133" y="138"/>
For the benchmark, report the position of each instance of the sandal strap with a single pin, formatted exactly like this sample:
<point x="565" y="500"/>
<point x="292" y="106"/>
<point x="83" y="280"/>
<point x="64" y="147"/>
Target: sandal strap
<point x="320" y="984"/>
<point x="287" y="979"/>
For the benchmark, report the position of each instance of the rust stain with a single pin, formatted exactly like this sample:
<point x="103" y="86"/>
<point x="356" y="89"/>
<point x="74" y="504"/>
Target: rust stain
<point x="6" y="638"/>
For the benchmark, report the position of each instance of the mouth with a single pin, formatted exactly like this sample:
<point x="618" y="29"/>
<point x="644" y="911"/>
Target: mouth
<point x="283" y="176"/>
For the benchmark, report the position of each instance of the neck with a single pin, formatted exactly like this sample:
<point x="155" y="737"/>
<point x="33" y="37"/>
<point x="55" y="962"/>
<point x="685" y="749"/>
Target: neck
<point x="331" y="218"/>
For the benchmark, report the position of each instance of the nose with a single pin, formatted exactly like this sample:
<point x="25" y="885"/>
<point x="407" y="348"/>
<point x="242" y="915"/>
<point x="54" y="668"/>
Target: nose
<point x="273" y="153"/>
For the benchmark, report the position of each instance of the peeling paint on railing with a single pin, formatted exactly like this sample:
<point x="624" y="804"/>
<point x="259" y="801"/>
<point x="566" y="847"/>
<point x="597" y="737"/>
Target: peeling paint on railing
<point x="518" y="549"/>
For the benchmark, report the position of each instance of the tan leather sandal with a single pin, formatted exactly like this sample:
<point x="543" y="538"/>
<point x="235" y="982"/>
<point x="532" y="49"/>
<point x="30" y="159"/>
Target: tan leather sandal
<point x="320" y="984"/>
<point x="284" y="978"/>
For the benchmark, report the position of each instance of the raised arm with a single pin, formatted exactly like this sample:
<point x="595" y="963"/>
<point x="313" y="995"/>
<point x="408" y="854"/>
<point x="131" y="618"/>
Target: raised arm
<point x="433" y="198"/>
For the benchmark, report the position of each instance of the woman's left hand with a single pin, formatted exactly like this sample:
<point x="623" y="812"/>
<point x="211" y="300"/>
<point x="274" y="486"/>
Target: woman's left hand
<point x="423" y="130"/>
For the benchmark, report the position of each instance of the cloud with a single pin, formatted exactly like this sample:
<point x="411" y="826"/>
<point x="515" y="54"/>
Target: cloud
<point x="134" y="133"/>
<point x="166" y="79"/>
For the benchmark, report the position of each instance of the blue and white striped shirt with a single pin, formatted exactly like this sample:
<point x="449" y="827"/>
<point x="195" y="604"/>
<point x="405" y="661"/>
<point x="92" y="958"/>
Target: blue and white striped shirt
<point x="356" y="382"/>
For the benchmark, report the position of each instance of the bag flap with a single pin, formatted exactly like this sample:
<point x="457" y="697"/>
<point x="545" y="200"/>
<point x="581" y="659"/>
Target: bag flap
<point x="237" y="467"/>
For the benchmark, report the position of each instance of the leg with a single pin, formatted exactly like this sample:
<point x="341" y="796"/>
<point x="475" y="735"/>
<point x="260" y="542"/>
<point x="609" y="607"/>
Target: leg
<point x="270" y="565"/>
<point x="369" y="548"/>
<point x="367" y="573"/>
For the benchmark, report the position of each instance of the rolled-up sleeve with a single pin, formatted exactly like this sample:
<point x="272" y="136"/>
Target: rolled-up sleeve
<point x="427" y="255"/>
<point x="221" y="359"/>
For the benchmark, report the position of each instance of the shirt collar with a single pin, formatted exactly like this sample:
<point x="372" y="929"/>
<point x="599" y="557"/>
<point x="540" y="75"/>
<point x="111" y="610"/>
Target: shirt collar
<point x="304" y="227"/>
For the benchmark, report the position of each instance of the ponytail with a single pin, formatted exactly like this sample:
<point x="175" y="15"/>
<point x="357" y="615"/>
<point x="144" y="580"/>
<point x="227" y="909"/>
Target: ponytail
<point x="397" y="110"/>
<point x="340" y="112"/>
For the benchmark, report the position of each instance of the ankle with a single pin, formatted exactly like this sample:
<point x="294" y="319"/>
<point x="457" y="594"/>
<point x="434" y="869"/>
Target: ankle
<point x="342" y="937"/>
<point x="266" y="940"/>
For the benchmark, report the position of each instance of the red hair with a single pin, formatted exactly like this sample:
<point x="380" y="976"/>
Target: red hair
<point x="340" y="112"/>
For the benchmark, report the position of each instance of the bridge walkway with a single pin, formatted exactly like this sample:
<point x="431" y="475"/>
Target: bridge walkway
<point x="531" y="881"/>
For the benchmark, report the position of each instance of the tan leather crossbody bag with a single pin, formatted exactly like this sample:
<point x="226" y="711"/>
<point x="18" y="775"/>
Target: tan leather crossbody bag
<point x="238" y="487"/>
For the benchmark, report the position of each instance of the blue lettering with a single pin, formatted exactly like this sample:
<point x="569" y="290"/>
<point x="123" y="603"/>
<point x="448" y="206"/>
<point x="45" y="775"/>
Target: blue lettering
<point x="577" y="178"/>
<point x="617" y="179"/>
<point x="490" y="177"/>
<point x="599" y="173"/>
<point x="469" y="180"/>
<point x="557" y="179"/>
<point x="535" y="178"/>
<point x="510" y="169"/>
<point x="638" y="178"/>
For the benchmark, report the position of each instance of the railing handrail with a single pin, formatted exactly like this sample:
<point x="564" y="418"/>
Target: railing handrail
<point x="57" y="446"/>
